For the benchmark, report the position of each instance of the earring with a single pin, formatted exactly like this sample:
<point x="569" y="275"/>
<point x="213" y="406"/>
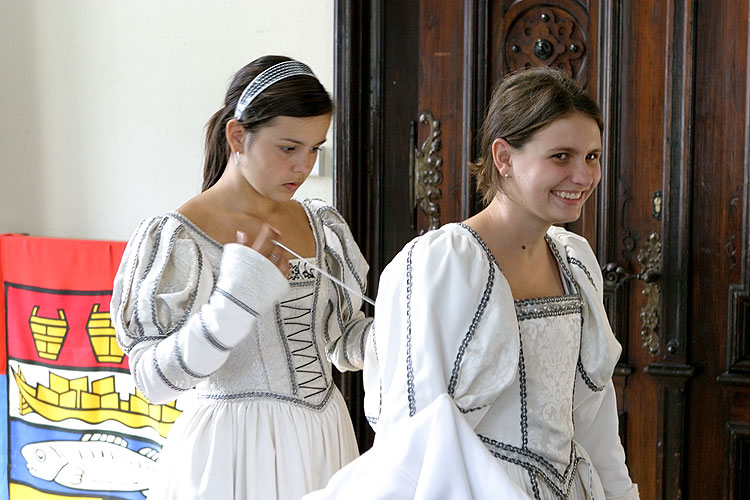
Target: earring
<point x="237" y="158"/>
<point x="506" y="175"/>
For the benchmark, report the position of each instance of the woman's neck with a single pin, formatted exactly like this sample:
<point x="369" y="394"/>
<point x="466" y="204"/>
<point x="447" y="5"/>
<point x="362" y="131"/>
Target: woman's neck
<point x="501" y="227"/>
<point x="520" y="249"/>
<point x="236" y="195"/>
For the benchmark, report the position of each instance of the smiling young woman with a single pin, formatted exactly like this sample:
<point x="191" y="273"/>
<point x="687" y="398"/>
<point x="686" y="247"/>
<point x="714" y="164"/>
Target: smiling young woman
<point x="550" y="177"/>
<point x="503" y="312"/>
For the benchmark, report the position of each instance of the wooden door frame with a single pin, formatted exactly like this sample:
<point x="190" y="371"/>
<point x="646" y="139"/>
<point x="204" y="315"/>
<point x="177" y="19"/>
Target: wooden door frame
<point x="356" y="134"/>
<point x="671" y="368"/>
<point x="359" y="145"/>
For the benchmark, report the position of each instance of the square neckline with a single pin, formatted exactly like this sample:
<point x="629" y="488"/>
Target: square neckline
<point x="570" y="286"/>
<point x="314" y="259"/>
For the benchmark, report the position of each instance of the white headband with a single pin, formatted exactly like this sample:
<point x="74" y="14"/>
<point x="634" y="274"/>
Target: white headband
<point x="265" y="79"/>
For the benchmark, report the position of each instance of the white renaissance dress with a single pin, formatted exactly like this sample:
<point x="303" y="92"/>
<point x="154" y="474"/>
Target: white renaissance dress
<point x="531" y="377"/>
<point x="255" y="349"/>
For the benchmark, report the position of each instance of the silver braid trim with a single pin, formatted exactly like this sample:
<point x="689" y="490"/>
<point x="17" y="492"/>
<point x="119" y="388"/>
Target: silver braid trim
<point x="265" y="79"/>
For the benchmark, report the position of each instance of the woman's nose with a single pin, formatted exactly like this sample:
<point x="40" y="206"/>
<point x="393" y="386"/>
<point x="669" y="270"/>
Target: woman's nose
<point x="309" y="161"/>
<point x="585" y="172"/>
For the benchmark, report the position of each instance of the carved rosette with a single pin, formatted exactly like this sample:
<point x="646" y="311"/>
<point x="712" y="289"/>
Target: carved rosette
<point x="546" y="36"/>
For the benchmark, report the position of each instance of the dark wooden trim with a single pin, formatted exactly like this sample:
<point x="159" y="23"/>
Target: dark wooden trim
<point x="665" y="371"/>
<point x="351" y="88"/>
<point x="734" y="378"/>
<point x="344" y="80"/>
<point x="671" y="417"/>
<point x="610" y="55"/>
<point x="372" y="216"/>
<point x="476" y="90"/>
<point x="674" y="372"/>
<point x="738" y="324"/>
<point x="737" y="479"/>
<point x="676" y="221"/>
<point x="355" y="125"/>
<point x="738" y="327"/>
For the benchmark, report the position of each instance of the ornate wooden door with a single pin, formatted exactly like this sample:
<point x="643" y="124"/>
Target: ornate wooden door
<point x="671" y="219"/>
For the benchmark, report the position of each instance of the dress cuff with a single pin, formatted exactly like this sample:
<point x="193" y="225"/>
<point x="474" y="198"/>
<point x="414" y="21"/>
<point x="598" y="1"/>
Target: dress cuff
<point x="250" y="278"/>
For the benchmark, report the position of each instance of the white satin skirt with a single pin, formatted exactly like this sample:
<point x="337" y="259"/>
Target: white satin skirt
<point x="261" y="449"/>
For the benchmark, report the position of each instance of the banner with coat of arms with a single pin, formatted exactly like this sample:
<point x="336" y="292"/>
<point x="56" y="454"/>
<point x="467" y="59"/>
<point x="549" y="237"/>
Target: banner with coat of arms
<point x="75" y="426"/>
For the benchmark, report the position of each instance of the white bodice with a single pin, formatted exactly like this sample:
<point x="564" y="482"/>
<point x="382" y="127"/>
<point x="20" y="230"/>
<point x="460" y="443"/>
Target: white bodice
<point x="531" y="423"/>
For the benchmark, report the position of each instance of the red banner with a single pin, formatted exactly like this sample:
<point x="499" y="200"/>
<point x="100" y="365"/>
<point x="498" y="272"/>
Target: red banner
<point x="69" y="393"/>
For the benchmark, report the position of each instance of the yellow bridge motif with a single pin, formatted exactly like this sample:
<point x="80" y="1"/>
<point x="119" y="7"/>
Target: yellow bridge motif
<point x="72" y="398"/>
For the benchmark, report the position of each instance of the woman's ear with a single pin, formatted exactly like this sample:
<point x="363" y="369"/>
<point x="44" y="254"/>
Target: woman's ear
<point x="501" y="151"/>
<point x="235" y="134"/>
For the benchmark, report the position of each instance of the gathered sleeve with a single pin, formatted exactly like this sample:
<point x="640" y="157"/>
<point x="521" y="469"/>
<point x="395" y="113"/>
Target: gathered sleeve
<point x="346" y="326"/>
<point x="175" y="323"/>
<point x="444" y="323"/>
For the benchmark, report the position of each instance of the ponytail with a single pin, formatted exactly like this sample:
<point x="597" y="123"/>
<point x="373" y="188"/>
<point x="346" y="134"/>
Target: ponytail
<point x="217" y="148"/>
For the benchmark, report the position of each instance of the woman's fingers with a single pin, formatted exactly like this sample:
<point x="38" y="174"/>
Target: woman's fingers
<point x="264" y="244"/>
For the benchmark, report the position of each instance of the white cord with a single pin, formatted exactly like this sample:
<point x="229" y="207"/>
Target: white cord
<point x="332" y="278"/>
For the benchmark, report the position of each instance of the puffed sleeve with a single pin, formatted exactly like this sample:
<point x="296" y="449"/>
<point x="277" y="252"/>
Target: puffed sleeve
<point x="175" y="324"/>
<point x="346" y="326"/>
<point x="444" y="323"/>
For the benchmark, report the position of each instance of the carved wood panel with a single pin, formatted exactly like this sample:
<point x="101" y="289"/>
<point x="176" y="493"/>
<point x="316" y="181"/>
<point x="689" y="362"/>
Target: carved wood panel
<point x="738" y="260"/>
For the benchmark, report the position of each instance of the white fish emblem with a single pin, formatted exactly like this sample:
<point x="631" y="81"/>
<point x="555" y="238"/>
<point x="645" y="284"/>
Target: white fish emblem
<point x="98" y="462"/>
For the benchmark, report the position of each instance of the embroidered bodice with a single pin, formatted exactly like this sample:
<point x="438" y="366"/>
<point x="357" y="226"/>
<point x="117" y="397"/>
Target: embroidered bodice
<point x="221" y="323"/>
<point x="191" y="312"/>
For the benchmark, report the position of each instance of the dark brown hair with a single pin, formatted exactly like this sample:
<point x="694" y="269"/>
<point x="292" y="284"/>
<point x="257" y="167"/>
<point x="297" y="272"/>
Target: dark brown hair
<point x="298" y="96"/>
<point x="522" y="104"/>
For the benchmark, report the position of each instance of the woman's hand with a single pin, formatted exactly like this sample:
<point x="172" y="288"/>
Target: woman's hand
<point x="264" y="245"/>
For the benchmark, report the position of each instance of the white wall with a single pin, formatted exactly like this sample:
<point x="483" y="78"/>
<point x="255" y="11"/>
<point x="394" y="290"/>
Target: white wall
<point x="103" y="102"/>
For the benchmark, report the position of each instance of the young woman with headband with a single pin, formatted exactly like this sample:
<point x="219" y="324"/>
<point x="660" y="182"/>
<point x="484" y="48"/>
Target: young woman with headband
<point x="209" y="301"/>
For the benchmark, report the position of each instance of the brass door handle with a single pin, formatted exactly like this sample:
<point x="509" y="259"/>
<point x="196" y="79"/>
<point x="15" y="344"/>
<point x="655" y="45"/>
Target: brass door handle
<point x="615" y="275"/>
<point x="425" y="176"/>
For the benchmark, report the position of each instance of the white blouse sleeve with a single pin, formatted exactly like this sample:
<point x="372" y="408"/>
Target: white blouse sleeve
<point x="595" y="406"/>
<point x="346" y="326"/>
<point x="442" y="325"/>
<point x="596" y="430"/>
<point x="175" y="324"/>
